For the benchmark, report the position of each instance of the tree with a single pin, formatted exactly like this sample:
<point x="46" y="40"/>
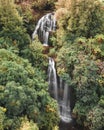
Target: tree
<point x="81" y="66"/>
<point x="11" y="25"/>
<point x="24" y="92"/>
<point x="82" y="18"/>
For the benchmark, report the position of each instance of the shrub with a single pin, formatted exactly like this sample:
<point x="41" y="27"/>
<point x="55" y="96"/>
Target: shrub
<point x="2" y="115"/>
<point x="11" y="26"/>
<point x="24" y="93"/>
<point x="95" y="118"/>
<point x="82" y="69"/>
<point x="28" y="125"/>
<point x="75" y="23"/>
<point x="34" y="53"/>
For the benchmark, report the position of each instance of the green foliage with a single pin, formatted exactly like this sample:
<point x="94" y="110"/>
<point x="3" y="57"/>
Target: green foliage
<point x="81" y="66"/>
<point x="11" y="25"/>
<point x="24" y="97"/>
<point x="95" y="118"/>
<point x="8" y="44"/>
<point x="88" y="23"/>
<point x="100" y="43"/>
<point x="34" y="53"/>
<point x="10" y="10"/>
<point x="28" y="125"/>
<point x="23" y="92"/>
<point x="80" y="60"/>
<point x="82" y="19"/>
<point x="12" y="123"/>
<point x="2" y="116"/>
<point x="101" y="101"/>
<point x="28" y="14"/>
<point x="50" y="114"/>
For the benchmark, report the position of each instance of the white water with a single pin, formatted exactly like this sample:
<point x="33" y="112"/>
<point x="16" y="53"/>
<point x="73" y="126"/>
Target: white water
<point x="45" y="25"/>
<point x="64" y="105"/>
<point x="52" y="78"/>
<point x="59" y="92"/>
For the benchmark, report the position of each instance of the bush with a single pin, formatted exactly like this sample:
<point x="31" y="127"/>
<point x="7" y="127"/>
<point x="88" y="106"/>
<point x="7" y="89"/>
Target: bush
<point x="34" y="53"/>
<point x="11" y="26"/>
<point x="95" y="118"/>
<point x="82" y="69"/>
<point x="75" y="23"/>
<point x="28" y="125"/>
<point x="2" y="116"/>
<point x="24" y="92"/>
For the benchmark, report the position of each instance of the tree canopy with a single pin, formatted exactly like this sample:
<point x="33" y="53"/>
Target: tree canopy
<point x="78" y="49"/>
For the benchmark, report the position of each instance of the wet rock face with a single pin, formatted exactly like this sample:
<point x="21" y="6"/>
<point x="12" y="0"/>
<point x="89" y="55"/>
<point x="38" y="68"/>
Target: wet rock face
<point x="46" y="49"/>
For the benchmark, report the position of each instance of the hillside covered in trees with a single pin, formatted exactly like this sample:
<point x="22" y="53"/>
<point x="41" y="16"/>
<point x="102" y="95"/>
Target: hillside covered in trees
<point x="77" y="46"/>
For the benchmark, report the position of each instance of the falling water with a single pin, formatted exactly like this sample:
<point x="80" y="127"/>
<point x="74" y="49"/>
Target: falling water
<point x="45" y="25"/>
<point x="59" y="92"/>
<point x="64" y="105"/>
<point x="52" y="79"/>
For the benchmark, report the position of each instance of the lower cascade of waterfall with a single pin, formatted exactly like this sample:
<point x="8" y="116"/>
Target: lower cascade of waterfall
<point x="60" y="92"/>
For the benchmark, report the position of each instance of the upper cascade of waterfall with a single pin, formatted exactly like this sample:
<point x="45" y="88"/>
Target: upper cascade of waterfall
<point x="45" y="25"/>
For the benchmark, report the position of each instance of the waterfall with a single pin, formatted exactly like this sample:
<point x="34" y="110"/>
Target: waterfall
<point x="64" y="105"/>
<point x="45" y="25"/>
<point x="52" y="79"/>
<point x="61" y="92"/>
<point x="58" y="90"/>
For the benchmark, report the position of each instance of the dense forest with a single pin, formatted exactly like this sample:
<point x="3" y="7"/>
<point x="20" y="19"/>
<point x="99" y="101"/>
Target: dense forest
<point x="77" y="46"/>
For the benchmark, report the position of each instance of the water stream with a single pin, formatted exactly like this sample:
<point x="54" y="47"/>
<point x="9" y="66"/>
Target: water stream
<point x="45" y="25"/>
<point x="52" y="79"/>
<point x="58" y="88"/>
<point x="61" y="92"/>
